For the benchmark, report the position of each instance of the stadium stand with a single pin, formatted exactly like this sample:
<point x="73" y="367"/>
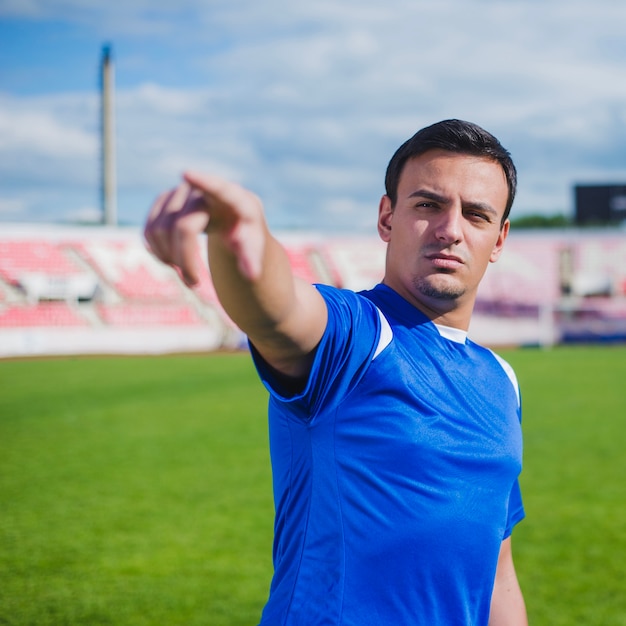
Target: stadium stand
<point x="130" y="270"/>
<point x="44" y="270"/>
<point x="358" y="263"/>
<point x="71" y="290"/>
<point x="45" y="314"/>
<point x="36" y="255"/>
<point x="148" y="315"/>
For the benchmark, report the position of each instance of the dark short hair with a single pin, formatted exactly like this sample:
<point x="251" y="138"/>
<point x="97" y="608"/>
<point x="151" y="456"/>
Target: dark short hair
<point x="454" y="136"/>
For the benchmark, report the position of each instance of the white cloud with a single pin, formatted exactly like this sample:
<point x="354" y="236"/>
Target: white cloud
<point x="305" y="102"/>
<point x="152" y="98"/>
<point x="85" y="215"/>
<point x="32" y="126"/>
<point x="12" y="207"/>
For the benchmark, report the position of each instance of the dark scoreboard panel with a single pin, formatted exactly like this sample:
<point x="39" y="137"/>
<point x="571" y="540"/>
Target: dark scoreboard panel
<point x="600" y="204"/>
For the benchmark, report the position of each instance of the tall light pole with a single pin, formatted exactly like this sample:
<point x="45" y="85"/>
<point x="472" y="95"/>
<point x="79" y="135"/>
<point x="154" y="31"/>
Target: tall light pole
<point x="108" y="176"/>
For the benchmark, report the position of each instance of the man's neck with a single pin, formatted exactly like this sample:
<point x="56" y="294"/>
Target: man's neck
<point x="454" y="313"/>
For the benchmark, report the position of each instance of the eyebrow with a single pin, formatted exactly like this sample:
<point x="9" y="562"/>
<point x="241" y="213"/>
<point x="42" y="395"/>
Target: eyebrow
<point x="431" y="195"/>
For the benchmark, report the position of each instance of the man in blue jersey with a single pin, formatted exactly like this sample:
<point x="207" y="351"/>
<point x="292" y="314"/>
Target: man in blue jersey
<point x="395" y="440"/>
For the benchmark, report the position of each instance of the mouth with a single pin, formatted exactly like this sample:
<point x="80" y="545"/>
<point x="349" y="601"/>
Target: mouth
<point x="443" y="261"/>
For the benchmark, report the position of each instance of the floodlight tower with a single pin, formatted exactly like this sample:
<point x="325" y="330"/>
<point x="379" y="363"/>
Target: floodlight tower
<point x="107" y="121"/>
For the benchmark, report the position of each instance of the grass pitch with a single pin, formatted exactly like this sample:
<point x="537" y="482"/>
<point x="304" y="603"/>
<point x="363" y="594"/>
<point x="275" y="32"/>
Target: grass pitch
<point x="134" y="491"/>
<point x="570" y="550"/>
<point x="137" y="491"/>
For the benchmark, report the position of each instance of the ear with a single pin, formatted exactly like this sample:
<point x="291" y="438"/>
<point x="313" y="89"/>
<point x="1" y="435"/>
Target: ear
<point x="502" y="235"/>
<point x="385" y="216"/>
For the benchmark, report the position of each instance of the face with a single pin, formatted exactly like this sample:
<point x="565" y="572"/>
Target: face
<point x="444" y="230"/>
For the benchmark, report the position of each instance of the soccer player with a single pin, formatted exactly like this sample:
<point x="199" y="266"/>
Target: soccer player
<point x="395" y="440"/>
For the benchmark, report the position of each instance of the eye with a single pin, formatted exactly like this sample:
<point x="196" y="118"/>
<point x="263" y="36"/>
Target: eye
<point x="478" y="216"/>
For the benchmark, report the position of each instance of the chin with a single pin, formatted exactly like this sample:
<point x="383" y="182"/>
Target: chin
<point x="439" y="289"/>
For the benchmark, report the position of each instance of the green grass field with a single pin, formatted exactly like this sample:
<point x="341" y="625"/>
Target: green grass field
<point x="136" y="491"/>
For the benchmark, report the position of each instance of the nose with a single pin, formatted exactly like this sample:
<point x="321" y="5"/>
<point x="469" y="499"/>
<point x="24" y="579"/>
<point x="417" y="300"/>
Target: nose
<point x="448" y="228"/>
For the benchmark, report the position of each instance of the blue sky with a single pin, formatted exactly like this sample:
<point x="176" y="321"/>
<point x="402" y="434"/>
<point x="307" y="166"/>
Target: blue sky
<point x="304" y="102"/>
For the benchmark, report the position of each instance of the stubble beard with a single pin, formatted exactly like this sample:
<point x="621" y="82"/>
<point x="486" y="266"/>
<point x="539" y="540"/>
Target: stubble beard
<point x="442" y="291"/>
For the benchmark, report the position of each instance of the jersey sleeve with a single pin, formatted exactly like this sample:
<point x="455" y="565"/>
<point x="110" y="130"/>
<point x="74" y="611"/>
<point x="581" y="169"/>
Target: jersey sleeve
<point x="342" y="356"/>
<point x="515" y="511"/>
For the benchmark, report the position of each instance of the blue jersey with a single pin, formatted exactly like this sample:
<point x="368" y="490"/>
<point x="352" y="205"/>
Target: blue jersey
<point x="395" y="472"/>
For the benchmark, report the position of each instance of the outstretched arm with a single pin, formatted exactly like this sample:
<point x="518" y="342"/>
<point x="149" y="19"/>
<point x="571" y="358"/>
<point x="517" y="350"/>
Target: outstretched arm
<point x="507" y="602"/>
<point x="283" y="316"/>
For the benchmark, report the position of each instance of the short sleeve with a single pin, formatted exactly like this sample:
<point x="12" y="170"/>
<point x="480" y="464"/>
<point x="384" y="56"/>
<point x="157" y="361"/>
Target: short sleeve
<point x="342" y="356"/>
<point x="515" y="510"/>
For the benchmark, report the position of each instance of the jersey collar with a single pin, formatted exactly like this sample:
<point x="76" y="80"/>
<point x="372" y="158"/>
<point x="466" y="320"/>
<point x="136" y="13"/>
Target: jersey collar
<point x="403" y="311"/>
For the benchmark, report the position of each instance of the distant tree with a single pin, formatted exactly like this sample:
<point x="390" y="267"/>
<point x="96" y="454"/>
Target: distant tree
<point x="541" y="221"/>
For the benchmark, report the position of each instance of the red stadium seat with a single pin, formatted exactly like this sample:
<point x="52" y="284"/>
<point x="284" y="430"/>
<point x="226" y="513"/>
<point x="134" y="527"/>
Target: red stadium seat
<point x="40" y="315"/>
<point x="28" y="256"/>
<point x="128" y="267"/>
<point x="148" y="315"/>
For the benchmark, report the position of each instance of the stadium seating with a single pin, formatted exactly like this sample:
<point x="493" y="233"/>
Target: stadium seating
<point x="30" y="256"/>
<point x="148" y="315"/>
<point x="45" y="314"/>
<point x="43" y="270"/>
<point x="128" y="267"/>
<point x="356" y="263"/>
<point x="527" y="274"/>
<point x="103" y="280"/>
<point x="301" y="263"/>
